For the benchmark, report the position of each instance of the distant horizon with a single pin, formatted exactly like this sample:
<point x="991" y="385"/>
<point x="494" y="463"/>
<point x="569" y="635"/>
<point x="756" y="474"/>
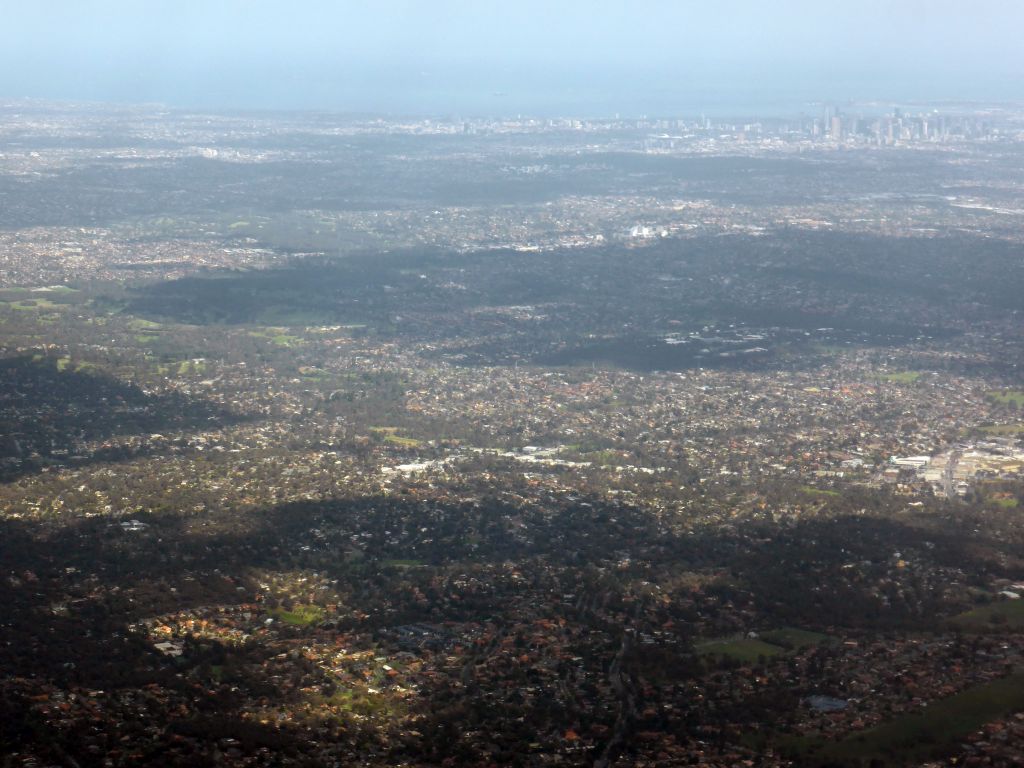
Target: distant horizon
<point x="485" y="58"/>
<point x="721" y="108"/>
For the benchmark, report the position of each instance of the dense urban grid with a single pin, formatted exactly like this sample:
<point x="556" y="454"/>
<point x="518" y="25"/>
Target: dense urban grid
<point x="652" y="442"/>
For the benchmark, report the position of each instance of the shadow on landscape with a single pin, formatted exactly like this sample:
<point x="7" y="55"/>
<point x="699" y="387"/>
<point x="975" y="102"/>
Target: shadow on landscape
<point x="794" y="292"/>
<point x="48" y="414"/>
<point x="356" y="289"/>
<point x="71" y="588"/>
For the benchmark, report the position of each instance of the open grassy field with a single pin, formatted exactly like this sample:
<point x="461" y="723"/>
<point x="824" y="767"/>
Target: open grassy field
<point x="1008" y="397"/>
<point x="36" y="305"/>
<point x="914" y="738"/>
<point x="197" y="366"/>
<point x="180" y="367"/>
<point x="141" y="324"/>
<point x="790" y="637"/>
<point x="744" y="650"/>
<point x="391" y="437"/>
<point x="365" y="703"/>
<point x="1003" y="430"/>
<point x="810" y="490"/>
<point x="277" y="336"/>
<point x="300" y="615"/>
<point x="1001" y="615"/>
<point x="404" y="442"/>
<point x="903" y="377"/>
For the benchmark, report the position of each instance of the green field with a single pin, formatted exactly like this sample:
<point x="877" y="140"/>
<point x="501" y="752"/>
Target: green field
<point x="903" y="377"/>
<point x="1003" y="430"/>
<point x="404" y="442"/>
<point x="186" y="367"/>
<point x="30" y="305"/>
<point x="364" y="703"/>
<point x="300" y="615"/>
<point x="1008" y="397"/>
<point x="744" y="650"/>
<point x="1001" y="615"/>
<point x="790" y="637"/>
<point x="391" y="437"/>
<point x="774" y="642"/>
<point x="914" y="738"/>
<point x="311" y="373"/>
<point x="140" y="324"/>
<point x="810" y="490"/>
<point x="277" y="336"/>
<point x="64" y="364"/>
<point x="180" y="367"/>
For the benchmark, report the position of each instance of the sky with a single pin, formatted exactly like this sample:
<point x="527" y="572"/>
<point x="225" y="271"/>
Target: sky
<point x="479" y="57"/>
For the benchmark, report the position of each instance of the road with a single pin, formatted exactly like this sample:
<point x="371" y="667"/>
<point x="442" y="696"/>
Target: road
<point x="947" y="476"/>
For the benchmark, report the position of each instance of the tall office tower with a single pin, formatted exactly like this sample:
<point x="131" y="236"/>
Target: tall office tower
<point x="837" y="127"/>
<point x="876" y="131"/>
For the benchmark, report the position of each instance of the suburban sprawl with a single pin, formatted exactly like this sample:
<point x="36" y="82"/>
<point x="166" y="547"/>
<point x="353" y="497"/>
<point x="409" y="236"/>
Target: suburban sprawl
<point x="332" y="440"/>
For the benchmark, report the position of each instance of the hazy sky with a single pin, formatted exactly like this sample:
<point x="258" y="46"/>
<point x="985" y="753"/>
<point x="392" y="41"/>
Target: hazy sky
<point x="479" y="56"/>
